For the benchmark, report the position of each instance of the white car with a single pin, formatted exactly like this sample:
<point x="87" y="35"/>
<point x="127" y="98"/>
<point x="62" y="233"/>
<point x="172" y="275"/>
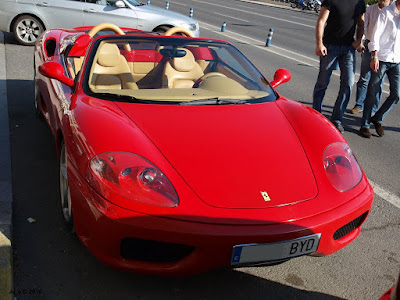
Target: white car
<point x="27" y="19"/>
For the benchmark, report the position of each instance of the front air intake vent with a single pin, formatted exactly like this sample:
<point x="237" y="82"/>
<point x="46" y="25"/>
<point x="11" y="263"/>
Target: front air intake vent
<point x="349" y="227"/>
<point x="153" y="251"/>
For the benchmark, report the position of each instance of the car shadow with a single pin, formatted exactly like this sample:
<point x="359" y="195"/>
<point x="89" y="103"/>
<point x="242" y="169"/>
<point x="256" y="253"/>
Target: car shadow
<point x="9" y="39"/>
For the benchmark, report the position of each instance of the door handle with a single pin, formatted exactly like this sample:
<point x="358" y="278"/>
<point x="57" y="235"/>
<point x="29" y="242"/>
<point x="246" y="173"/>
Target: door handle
<point x="45" y="4"/>
<point x="90" y="10"/>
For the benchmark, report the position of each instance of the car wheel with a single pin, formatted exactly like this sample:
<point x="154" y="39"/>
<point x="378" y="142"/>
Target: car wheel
<point x="27" y="29"/>
<point x="162" y="29"/>
<point x="65" y="195"/>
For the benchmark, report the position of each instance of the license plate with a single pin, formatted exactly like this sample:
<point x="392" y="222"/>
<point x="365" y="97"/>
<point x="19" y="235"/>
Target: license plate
<point x="258" y="253"/>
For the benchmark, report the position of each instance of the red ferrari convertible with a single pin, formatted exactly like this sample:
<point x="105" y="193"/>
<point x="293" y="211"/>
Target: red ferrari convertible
<point x="177" y="155"/>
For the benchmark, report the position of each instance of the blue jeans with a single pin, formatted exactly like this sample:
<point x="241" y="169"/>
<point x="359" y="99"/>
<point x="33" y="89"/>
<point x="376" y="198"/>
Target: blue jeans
<point x="346" y="57"/>
<point x="392" y="70"/>
<point x="362" y="83"/>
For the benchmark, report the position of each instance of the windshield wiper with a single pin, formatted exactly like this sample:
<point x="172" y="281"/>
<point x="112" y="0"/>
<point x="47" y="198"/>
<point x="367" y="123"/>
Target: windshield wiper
<point x="213" y="101"/>
<point x="123" y="98"/>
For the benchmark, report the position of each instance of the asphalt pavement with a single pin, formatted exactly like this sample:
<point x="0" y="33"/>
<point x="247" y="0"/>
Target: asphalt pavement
<point x="5" y="185"/>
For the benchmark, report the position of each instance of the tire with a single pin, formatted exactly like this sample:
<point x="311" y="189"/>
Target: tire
<point x="65" y="195"/>
<point x="27" y="30"/>
<point x="162" y="29"/>
<point x="293" y="4"/>
<point x="317" y="8"/>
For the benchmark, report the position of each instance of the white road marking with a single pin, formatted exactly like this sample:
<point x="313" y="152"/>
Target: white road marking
<point x="231" y="17"/>
<point x="179" y="4"/>
<point x="389" y="197"/>
<point x="382" y="193"/>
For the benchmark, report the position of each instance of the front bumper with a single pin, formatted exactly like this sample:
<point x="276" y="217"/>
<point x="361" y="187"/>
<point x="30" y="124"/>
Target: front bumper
<point x="165" y="246"/>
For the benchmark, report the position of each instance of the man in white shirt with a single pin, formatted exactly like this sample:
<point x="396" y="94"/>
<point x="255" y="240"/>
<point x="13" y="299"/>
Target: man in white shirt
<point x="371" y="16"/>
<point x="385" y="59"/>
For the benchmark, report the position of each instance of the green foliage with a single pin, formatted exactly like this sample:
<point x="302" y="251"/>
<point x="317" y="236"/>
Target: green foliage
<point x="370" y="2"/>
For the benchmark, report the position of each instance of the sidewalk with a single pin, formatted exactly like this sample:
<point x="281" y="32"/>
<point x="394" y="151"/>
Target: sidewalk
<point x="5" y="185"/>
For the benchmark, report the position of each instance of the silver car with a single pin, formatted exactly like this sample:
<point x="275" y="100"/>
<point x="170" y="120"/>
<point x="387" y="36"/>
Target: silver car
<point x="27" y="19"/>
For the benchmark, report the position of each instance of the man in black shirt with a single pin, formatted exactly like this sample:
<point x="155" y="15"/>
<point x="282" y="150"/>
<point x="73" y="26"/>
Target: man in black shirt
<point x="335" y="44"/>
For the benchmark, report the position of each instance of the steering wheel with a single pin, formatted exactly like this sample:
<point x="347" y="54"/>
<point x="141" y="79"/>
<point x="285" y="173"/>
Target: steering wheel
<point x="174" y="30"/>
<point x="205" y="76"/>
<point x="92" y="32"/>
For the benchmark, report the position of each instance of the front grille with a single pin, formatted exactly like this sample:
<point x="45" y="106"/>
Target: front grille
<point x="349" y="227"/>
<point x="153" y="251"/>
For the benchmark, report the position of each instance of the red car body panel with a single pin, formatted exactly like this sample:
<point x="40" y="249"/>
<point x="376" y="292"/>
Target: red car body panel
<point x="205" y="151"/>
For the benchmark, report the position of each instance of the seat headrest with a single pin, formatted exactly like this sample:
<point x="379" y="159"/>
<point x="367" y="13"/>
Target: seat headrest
<point x="185" y="63"/>
<point x="109" y="55"/>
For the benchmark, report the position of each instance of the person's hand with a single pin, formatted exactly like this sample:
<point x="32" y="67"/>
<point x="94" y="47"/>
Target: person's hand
<point x="321" y="50"/>
<point x="374" y="65"/>
<point x="361" y="48"/>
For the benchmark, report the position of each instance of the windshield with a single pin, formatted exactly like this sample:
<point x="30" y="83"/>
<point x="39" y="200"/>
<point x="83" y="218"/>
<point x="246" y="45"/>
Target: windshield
<point x="157" y="69"/>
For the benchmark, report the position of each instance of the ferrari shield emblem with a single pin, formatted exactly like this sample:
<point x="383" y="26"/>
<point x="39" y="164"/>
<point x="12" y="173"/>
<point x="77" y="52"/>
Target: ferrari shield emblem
<point x="265" y="196"/>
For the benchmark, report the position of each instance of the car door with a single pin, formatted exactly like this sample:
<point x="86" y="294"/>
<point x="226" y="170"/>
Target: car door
<point x="105" y="11"/>
<point x="61" y="13"/>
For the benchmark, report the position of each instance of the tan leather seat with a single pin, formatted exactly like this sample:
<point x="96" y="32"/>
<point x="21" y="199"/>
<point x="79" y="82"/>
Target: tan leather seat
<point x="181" y="72"/>
<point x="111" y="70"/>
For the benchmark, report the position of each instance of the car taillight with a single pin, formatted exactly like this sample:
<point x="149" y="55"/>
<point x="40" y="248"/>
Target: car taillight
<point x="133" y="177"/>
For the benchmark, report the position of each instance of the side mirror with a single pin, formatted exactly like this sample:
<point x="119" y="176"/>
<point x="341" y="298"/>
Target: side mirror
<point x="281" y="76"/>
<point x="120" y="4"/>
<point x="54" y="70"/>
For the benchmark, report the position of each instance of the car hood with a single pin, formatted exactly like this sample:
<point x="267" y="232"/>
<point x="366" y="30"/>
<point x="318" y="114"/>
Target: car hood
<point x="231" y="156"/>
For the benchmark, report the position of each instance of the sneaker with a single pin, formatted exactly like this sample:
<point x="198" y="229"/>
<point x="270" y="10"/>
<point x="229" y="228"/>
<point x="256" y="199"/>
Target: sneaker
<point x="365" y="132"/>
<point x="356" y="110"/>
<point x="339" y="127"/>
<point x="378" y="127"/>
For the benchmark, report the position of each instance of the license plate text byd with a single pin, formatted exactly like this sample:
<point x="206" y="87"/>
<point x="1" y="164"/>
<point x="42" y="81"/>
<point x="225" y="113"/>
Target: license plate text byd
<point x="257" y="253"/>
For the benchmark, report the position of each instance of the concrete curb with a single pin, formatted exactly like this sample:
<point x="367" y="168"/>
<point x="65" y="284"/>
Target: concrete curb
<point x="5" y="185"/>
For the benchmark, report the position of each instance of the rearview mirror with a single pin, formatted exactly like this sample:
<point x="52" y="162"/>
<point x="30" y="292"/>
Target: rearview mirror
<point x="281" y="76"/>
<point x="120" y="4"/>
<point x="52" y="69"/>
<point x="174" y="52"/>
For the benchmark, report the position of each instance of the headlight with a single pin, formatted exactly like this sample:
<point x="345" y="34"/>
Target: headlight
<point x="341" y="166"/>
<point x="191" y="26"/>
<point x="133" y="177"/>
